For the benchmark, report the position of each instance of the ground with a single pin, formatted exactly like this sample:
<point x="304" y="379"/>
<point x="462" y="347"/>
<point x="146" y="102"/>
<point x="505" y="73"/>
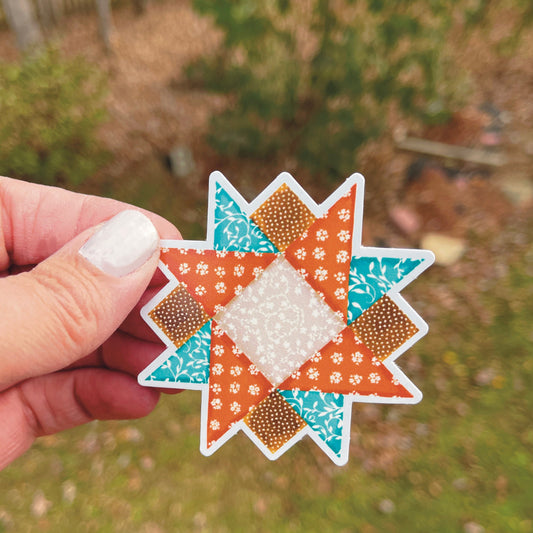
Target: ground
<point x="459" y="461"/>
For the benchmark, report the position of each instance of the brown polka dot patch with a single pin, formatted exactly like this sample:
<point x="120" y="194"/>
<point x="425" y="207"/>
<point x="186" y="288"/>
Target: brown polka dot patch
<point x="274" y="421"/>
<point x="179" y="316"/>
<point x="384" y="327"/>
<point x="283" y="217"/>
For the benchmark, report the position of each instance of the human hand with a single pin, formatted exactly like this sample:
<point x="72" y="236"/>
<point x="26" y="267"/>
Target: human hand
<point x="71" y="338"/>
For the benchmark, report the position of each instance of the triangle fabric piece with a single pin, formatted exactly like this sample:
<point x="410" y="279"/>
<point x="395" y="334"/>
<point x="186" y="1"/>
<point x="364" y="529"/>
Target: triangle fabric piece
<point x="233" y="230"/>
<point x="190" y="362"/>
<point x="235" y="386"/>
<point x="324" y="413"/>
<point x="214" y="278"/>
<point x="372" y="277"/>
<point x="322" y="254"/>
<point x="346" y="366"/>
<point x="274" y="421"/>
<point x="283" y="217"/>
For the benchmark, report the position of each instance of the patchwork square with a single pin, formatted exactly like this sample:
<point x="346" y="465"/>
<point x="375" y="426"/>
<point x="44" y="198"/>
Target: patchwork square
<point x="283" y="217"/>
<point x="179" y="315"/>
<point x="279" y="321"/>
<point x="384" y="327"/>
<point x="274" y="421"/>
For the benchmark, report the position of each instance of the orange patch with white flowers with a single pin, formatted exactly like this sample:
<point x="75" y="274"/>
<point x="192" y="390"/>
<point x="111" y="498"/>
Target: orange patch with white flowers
<point x="346" y="366"/>
<point x="214" y="278"/>
<point x="235" y="385"/>
<point x="322" y="254"/>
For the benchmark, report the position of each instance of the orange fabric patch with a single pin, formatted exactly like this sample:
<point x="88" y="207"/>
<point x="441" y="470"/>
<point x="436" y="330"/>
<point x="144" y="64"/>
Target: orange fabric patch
<point x="322" y="254"/>
<point x="214" y="278"/>
<point x="384" y="327"/>
<point x="346" y="366"/>
<point x="274" y="421"/>
<point x="283" y="217"/>
<point x="235" y="385"/>
<point x="179" y="315"/>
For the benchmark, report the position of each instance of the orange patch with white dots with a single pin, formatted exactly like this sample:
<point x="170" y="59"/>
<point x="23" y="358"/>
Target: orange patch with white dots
<point x="384" y="327"/>
<point x="179" y="315"/>
<point x="283" y="217"/>
<point x="274" y="421"/>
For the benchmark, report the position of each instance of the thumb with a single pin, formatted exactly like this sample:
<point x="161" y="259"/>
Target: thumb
<point x="69" y="304"/>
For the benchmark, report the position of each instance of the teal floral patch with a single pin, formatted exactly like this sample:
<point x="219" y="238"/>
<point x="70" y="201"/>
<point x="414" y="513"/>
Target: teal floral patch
<point x="190" y="362"/>
<point x="372" y="277"/>
<point x="322" y="411"/>
<point x="234" y="231"/>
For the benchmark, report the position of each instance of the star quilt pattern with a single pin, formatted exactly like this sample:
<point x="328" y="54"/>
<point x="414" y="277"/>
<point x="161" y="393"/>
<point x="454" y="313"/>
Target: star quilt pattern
<point x="282" y="319"/>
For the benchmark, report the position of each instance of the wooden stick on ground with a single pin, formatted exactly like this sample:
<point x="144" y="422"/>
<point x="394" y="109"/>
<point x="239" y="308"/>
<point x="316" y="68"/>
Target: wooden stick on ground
<point x="449" y="151"/>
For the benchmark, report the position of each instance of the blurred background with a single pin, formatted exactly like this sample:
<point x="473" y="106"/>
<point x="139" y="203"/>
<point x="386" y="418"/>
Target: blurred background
<point x="431" y="101"/>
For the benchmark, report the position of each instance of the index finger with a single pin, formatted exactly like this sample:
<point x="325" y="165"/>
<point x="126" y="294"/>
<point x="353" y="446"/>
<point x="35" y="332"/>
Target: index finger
<point x="37" y="220"/>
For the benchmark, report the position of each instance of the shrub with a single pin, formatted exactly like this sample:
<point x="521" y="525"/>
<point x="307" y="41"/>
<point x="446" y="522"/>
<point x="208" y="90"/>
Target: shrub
<point x="319" y="78"/>
<point x="49" y="110"/>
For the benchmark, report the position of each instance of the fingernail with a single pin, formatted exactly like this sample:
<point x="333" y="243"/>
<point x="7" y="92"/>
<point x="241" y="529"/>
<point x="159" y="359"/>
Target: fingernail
<point x="122" y="244"/>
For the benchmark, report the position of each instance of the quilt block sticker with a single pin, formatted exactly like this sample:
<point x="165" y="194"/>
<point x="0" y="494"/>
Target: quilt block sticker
<point x="282" y="319"/>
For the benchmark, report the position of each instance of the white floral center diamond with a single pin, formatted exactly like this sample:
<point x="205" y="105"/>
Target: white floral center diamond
<point x="279" y="321"/>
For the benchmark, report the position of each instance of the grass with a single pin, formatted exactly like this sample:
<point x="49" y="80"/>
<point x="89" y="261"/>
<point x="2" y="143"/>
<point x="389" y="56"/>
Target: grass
<point x="460" y="461"/>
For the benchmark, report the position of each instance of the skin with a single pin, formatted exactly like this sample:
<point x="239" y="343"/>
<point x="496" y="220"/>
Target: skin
<point x="71" y="337"/>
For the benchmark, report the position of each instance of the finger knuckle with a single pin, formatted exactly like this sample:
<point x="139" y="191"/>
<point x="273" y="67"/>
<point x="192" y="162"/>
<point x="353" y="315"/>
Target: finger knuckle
<point x="77" y="307"/>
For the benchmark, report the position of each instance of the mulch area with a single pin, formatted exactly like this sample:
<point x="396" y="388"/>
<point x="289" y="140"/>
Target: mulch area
<point x="150" y="112"/>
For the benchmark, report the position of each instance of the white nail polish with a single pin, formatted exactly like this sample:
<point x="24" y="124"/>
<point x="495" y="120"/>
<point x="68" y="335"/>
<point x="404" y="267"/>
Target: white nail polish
<point x="122" y="244"/>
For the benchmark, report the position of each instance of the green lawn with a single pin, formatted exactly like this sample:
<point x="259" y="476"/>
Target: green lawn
<point x="461" y="460"/>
